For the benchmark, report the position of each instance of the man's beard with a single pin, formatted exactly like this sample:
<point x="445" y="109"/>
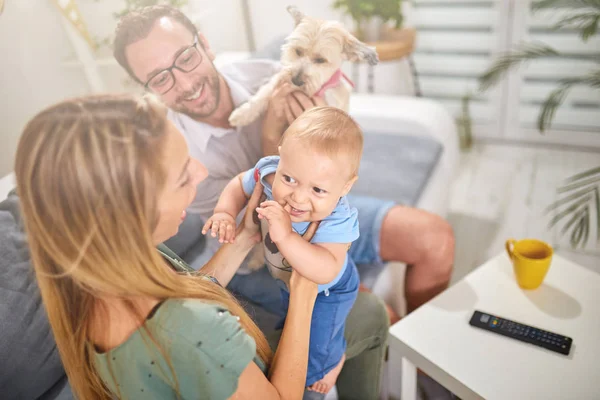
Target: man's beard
<point x="210" y="105"/>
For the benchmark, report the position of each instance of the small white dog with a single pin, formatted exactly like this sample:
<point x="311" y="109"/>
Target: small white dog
<point x="311" y="59"/>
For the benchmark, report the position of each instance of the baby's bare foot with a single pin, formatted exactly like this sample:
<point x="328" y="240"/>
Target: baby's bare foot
<point x="325" y="384"/>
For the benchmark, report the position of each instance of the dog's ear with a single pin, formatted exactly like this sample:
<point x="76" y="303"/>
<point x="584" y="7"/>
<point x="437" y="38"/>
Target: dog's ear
<point x="356" y="50"/>
<point x="296" y="14"/>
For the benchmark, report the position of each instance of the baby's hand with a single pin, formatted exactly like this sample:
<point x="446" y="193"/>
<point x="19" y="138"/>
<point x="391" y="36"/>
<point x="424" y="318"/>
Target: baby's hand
<point x="280" y="224"/>
<point x="222" y="224"/>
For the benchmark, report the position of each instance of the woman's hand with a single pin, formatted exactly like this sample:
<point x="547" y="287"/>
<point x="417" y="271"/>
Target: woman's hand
<point x="250" y="226"/>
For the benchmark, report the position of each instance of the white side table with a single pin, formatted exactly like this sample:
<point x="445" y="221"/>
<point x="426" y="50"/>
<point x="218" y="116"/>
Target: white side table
<point x="476" y="364"/>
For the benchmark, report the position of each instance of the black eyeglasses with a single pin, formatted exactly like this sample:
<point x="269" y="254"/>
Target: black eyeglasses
<point x="187" y="61"/>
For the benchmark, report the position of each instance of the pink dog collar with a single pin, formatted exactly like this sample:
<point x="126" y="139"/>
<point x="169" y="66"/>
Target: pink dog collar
<point x="334" y="81"/>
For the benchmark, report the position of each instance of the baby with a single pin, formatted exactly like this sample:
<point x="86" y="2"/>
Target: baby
<point x="318" y="164"/>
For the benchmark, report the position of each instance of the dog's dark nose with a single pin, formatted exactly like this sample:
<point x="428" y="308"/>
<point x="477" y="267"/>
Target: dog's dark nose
<point x="297" y="80"/>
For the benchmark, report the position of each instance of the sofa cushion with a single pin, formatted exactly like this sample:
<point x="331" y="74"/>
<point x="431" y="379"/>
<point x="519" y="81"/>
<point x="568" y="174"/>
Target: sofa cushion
<point x="30" y="366"/>
<point x="396" y="167"/>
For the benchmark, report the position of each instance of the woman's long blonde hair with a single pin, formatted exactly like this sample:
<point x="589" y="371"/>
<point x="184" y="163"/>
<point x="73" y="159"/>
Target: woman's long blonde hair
<point x="89" y="173"/>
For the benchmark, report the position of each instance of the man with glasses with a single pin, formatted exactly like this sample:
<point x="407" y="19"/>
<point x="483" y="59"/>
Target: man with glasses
<point x="161" y="49"/>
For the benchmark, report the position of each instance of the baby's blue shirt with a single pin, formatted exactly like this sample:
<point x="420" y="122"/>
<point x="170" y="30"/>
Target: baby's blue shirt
<point x="341" y="226"/>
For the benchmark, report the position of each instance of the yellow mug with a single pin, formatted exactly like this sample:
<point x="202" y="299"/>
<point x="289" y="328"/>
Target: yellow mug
<point x="531" y="261"/>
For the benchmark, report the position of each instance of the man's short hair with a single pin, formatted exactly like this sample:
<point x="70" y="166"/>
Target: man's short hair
<point x="137" y="24"/>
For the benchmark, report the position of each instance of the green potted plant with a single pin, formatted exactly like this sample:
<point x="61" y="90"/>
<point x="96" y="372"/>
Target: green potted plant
<point x="371" y="15"/>
<point x="581" y="193"/>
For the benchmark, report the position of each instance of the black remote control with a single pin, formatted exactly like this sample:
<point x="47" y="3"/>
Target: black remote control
<point x="525" y="333"/>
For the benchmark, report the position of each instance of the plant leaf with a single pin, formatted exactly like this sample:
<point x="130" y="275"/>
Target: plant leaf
<point x="574" y="206"/>
<point x="539" y="5"/>
<point x="583" y="174"/>
<point x="567" y="199"/>
<point x="597" y="201"/>
<point x="586" y="21"/>
<point x="586" y="226"/>
<point x="542" y="4"/>
<point x="551" y="104"/>
<point x="557" y="96"/>
<point x="523" y="53"/>
<point x="576" y="233"/>
<point x="579" y="184"/>
<point x="575" y="217"/>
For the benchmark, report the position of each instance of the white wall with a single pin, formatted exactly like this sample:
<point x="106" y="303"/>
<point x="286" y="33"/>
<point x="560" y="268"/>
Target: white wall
<point x="32" y="45"/>
<point x="35" y="54"/>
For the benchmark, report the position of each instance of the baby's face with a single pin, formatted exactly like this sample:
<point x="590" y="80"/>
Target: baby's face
<point x="308" y="183"/>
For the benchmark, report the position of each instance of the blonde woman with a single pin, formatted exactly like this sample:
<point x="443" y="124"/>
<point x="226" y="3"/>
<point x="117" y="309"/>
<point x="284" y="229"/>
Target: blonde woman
<point x="103" y="181"/>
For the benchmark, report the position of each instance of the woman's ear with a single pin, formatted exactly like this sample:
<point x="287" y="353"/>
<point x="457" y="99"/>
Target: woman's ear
<point x="206" y="47"/>
<point x="279" y="149"/>
<point x="349" y="185"/>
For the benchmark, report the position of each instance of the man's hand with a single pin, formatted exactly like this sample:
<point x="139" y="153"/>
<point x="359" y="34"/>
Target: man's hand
<point x="221" y="224"/>
<point x="280" y="224"/>
<point x="297" y="102"/>
<point x="285" y="105"/>
<point x="276" y="110"/>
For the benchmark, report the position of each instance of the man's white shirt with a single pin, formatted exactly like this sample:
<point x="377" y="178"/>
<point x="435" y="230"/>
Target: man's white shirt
<point x="226" y="152"/>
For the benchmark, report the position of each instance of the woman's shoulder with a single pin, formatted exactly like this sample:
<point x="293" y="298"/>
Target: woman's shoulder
<point x="193" y="337"/>
<point x="189" y="318"/>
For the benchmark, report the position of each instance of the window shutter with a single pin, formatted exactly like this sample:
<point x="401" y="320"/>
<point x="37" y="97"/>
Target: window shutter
<point x="456" y="41"/>
<point x="577" y="120"/>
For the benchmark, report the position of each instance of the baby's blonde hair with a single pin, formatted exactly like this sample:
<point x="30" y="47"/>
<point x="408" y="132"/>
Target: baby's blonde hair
<point x="330" y="130"/>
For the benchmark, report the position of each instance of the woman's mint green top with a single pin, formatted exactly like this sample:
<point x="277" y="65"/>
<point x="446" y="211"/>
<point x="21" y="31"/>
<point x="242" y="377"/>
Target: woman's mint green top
<point x="205" y="345"/>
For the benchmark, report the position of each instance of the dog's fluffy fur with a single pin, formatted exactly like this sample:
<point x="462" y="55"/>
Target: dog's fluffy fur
<point x="310" y="55"/>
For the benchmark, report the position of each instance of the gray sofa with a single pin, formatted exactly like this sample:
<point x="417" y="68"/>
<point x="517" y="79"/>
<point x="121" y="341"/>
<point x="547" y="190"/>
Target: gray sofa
<point x="30" y="366"/>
